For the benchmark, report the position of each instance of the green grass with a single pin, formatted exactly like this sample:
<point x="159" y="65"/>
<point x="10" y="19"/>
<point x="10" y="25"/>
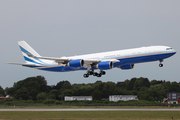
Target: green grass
<point x="80" y="103"/>
<point x="75" y="107"/>
<point x="80" y="115"/>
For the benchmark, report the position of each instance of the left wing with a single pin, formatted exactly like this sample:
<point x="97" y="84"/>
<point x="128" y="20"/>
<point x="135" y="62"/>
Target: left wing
<point x="65" y="59"/>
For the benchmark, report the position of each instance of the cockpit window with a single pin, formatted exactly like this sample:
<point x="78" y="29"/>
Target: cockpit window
<point x="168" y="48"/>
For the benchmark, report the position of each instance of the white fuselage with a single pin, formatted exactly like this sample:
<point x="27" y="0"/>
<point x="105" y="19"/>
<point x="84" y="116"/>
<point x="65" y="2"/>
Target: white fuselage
<point x="125" y="53"/>
<point x="124" y="59"/>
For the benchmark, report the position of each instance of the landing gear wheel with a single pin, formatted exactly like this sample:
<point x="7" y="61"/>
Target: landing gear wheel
<point x="86" y="75"/>
<point x="91" y="73"/>
<point x="102" y="72"/>
<point x="98" y="75"/>
<point x="160" y="65"/>
<point x="95" y="74"/>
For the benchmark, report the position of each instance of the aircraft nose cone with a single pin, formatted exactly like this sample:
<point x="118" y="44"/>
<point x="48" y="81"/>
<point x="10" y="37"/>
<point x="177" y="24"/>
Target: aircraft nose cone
<point x="175" y="51"/>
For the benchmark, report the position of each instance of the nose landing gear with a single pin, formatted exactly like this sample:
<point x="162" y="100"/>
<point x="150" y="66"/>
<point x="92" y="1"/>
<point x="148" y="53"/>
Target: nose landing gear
<point x="160" y="64"/>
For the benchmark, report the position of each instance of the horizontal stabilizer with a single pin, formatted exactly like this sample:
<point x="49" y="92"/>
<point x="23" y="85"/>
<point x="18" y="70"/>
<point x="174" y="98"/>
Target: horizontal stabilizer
<point x="26" y="64"/>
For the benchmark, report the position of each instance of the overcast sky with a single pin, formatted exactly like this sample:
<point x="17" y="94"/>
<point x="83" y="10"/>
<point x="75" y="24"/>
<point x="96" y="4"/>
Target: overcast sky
<point x="56" y="28"/>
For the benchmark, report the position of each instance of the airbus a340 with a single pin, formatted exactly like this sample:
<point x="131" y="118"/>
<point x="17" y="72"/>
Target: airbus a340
<point x="124" y="59"/>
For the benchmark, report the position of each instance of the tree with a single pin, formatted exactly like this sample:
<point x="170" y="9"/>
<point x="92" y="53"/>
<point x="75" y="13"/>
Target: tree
<point x="121" y="91"/>
<point x="2" y="91"/>
<point x="101" y="86"/>
<point x="108" y="89"/>
<point x="67" y="92"/>
<point x="154" y="82"/>
<point x="62" y="85"/>
<point x="158" y="92"/>
<point x="97" y="95"/>
<point x="54" y="94"/>
<point x="96" y="84"/>
<point x="22" y="94"/>
<point x="10" y="91"/>
<point x="29" y="88"/>
<point x="141" y="82"/>
<point x="131" y="83"/>
<point x="145" y="94"/>
<point x="86" y="90"/>
<point x="82" y="89"/>
<point x="121" y="85"/>
<point x="175" y="87"/>
<point x="36" y="88"/>
<point x="41" y="96"/>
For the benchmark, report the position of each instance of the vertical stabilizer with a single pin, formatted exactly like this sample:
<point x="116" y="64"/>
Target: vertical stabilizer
<point x="25" y="48"/>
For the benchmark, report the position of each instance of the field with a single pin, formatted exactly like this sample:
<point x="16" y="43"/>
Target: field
<point x="75" y="107"/>
<point x="91" y="115"/>
<point x="88" y="115"/>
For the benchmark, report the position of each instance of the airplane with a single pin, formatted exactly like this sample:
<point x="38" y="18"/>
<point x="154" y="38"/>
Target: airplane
<point x="123" y="59"/>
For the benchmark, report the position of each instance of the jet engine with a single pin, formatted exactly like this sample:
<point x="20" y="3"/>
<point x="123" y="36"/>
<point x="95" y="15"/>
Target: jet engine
<point x="76" y="63"/>
<point x="105" y="65"/>
<point x="127" y="66"/>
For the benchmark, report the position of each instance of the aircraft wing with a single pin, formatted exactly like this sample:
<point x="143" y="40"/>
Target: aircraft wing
<point x="58" y="60"/>
<point x="66" y="60"/>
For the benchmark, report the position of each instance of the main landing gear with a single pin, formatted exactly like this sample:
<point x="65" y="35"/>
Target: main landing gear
<point x="160" y="64"/>
<point x="94" y="73"/>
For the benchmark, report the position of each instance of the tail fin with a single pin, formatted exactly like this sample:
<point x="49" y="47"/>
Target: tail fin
<point x="25" y="48"/>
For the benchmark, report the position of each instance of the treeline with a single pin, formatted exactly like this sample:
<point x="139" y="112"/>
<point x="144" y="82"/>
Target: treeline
<point x="36" y="88"/>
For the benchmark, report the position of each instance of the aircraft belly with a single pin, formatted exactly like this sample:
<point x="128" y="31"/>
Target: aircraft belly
<point x="141" y="59"/>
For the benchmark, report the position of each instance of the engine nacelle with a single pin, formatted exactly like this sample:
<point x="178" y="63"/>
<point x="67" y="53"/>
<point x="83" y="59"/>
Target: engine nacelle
<point x="105" y="65"/>
<point x="76" y="63"/>
<point x="127" y="66"/>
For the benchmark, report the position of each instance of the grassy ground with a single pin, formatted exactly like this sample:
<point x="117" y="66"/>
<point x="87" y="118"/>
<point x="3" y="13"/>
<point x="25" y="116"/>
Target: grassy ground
<point x="75" y="107"/>
<point x="93" y="115"/>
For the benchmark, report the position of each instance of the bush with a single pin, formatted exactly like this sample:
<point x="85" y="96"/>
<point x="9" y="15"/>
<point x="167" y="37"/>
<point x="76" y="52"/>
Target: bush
<point x="41" y="96"/>
<point x="50" y="101"/>
<point x="58" y="102"/>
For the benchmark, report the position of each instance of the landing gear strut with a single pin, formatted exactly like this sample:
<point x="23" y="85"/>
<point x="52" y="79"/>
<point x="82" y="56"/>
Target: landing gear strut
<point x="160" y="64"/>
<point x="94" y="73"/>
